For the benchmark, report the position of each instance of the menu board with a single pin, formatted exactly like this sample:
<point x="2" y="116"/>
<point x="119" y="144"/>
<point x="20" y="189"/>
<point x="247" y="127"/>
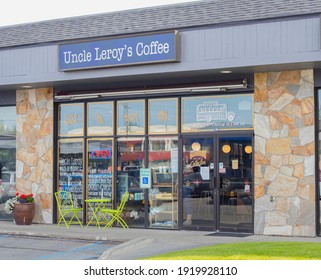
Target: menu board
<point x="100" y="179"/>
<point x="71" y="176"/>
<point x="100" y="185"/>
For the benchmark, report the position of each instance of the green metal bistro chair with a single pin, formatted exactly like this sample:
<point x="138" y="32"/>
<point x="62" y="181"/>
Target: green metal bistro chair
<point x="115" y="214"/>
<point x="65" y="207"/>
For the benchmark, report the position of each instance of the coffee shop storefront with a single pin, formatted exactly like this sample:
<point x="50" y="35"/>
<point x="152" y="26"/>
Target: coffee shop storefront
<point x="201" y="139"/>
<point x="195" y="166"/>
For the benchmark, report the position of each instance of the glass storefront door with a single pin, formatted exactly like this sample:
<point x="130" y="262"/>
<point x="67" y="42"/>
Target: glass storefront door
<point x="235" y="184"/>
<point x="198" y="182"/>
<point x="217" y="183"/>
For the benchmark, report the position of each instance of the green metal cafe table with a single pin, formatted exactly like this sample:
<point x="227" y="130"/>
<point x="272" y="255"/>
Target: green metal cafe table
<point x="96" y="205"/>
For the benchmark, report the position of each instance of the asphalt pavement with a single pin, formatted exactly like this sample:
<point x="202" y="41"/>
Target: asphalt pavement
<point x="138" y="243"/>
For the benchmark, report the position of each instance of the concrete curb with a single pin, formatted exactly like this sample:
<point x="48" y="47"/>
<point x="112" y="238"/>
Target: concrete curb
<point x="129" y="246"/>
<point x="60" y="236"/>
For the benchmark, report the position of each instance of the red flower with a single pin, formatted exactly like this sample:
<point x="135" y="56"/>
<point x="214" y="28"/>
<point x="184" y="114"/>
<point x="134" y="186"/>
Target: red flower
<point x="25" y="198"/>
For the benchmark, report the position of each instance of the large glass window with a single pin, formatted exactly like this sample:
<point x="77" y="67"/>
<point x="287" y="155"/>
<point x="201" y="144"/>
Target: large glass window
<point x="210" y="113"/>
<point x="163" y="162"/>
<point x="70" y="169"/>
<point x="100" y="118"/>
<point x="131" y="158"/>
<point x="99" y="170"/>
<point x="71" y="121"/>
<point x="7" y="157"/>
<point x="108" y="148"/>
<point x="131" y="117"/>
<point x="162" y="117"/>
<point x="319" y="146"/>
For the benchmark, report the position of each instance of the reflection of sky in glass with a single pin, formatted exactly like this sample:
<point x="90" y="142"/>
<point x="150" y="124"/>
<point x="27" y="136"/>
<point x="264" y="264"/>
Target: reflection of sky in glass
<point x="71" y="119"/>
<point x="241" y="106"/>
<point x="131" y="116"/>
<point x="158" y="106"/>
<point x="100" y="115"/>
<point x="99" y="145"/>
<point x="72" y="148"/>
<point x="7" y="119"/>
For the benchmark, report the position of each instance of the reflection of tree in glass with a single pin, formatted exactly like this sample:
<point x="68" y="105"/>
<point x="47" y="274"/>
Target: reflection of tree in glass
<point x="6" y="129"/>
<point x="130" y="119"/>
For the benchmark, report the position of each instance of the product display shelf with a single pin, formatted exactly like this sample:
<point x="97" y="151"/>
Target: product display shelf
<point x="163" y="205"/>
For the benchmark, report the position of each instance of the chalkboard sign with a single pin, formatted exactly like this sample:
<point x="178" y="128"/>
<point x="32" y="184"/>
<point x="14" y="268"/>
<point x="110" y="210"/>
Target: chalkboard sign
<point x="71" y="177"/>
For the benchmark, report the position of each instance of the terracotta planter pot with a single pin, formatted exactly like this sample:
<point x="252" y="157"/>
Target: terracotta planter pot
<point x="23" y="213"/>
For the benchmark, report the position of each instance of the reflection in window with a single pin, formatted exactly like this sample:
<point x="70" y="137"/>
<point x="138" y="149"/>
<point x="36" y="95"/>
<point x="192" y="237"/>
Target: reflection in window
<point x="236" y="191"/>
<point x="100" y="118"/>
<point x="70" y="172"/>
<point x="7" y="157"/>
<point x="99" y="172"/>
<point x="319" y="181"/>
<point x="215" y="112"/>
<point x="71" y="119"/>
<point x="131" y="158"/>
<point x="163" y="161"/>
<point x="131" y="117"/>
<point x="163" y="116"/>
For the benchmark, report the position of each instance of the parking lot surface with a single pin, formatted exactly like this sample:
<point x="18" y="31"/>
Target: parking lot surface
<point x="13" y="247"/>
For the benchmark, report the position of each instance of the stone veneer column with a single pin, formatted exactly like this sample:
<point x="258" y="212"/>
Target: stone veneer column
<point x="35" y="148"/>
<point x="284" y="153"/>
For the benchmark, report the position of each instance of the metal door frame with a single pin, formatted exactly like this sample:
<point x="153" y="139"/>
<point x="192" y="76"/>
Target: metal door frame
<point x="215" y="179"/>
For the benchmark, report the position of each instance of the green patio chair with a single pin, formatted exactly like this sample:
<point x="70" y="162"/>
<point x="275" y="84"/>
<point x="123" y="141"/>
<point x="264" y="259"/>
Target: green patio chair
<point x="115" y="214"/>
<point x="65" y="207"/>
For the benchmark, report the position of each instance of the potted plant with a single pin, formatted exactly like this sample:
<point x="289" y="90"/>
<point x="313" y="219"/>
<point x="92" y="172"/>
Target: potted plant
<point x="22" y="208"/>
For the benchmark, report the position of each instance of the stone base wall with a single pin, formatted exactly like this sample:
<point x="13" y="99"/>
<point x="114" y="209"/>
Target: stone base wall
<point x="284" y="153"/>
<point x="34" y="138"/>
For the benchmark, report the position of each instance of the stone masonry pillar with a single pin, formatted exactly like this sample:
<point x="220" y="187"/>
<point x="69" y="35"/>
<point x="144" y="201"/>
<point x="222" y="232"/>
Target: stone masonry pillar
<point x="284" y="129"/>
<point x="34" y="136"/>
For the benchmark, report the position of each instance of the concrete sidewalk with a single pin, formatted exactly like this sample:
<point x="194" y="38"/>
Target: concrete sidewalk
<point x="139" y="243"/>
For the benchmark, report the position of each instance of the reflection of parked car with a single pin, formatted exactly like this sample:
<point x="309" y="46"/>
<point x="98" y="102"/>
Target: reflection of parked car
<point x="132" y="182"/>
<point x="132" y="170"/>
<point x="233" y="190"/>
<point x="232" y="184"/>
<point x="194" y="184"/>
<point x="7" y="185"/>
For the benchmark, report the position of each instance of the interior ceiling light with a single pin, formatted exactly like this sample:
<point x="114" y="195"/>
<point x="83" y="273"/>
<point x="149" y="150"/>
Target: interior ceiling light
<point x="248" y="149"/>
<point x="216" y="88"/>
<point x="196" y="146"/>
<point x="226" y="148"/>
<point x="225" y="71"/>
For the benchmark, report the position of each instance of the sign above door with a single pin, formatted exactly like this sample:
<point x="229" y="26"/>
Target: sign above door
<point x="143" y="49"/>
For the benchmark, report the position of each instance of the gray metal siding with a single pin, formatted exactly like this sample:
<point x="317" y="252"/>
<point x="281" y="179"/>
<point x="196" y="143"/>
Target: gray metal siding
<point x="256" y="44"/>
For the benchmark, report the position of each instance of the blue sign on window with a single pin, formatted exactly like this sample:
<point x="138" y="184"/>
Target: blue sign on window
<point x="152" y="48"/>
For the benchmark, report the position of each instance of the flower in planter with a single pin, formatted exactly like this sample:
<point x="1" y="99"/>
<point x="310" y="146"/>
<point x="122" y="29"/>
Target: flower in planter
<point x="25" y="198"/>
<point x="9" y="205"/>
<point x="19" y="198"/>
